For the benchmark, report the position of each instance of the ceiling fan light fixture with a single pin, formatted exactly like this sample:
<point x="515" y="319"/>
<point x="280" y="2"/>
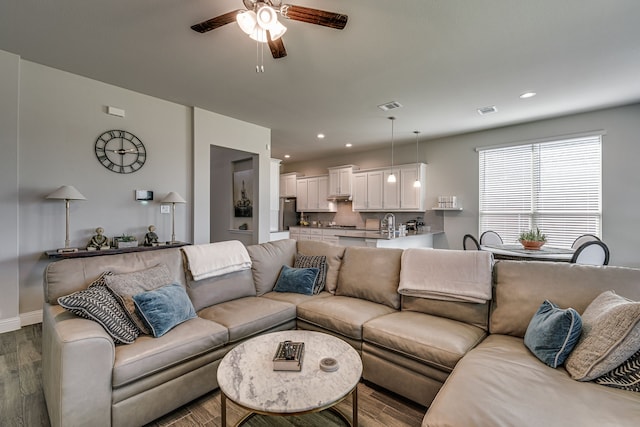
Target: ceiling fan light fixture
<point x="259" y="35"/>
<point x="277" y="31"/>
<point x="247" y="21"/>
<point x="266" y="17"/>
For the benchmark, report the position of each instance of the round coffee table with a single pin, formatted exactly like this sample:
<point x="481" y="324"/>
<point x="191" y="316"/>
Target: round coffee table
<point x="247" y="378"/>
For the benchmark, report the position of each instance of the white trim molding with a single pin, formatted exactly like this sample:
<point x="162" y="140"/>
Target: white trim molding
<point x="31" y="318"/>
<point x="10" y="324"/>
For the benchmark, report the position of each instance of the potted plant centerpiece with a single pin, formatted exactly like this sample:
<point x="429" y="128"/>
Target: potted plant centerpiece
<point x="532" y="240"/>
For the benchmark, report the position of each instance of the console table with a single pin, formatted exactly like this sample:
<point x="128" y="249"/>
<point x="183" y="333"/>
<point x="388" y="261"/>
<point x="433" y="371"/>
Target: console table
<point x="83" y="253"/>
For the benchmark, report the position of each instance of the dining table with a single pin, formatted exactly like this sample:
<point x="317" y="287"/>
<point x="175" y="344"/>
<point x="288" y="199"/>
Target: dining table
<point x="518" y="253"/>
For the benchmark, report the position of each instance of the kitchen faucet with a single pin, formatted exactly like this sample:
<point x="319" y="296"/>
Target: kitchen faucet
<point x="389" y="221"/>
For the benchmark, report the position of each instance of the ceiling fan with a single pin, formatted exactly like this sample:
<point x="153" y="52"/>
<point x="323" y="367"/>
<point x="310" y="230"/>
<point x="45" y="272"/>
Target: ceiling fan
<point x="260" y="21"/>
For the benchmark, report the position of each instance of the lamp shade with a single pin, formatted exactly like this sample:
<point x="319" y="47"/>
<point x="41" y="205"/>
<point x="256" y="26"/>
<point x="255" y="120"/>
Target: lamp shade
<point x="66" y="192"/>
<point x="173" y="197"/>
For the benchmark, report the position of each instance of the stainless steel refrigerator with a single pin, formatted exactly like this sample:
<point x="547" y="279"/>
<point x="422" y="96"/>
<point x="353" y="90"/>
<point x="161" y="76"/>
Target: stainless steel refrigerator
<point x="287" y="213"/>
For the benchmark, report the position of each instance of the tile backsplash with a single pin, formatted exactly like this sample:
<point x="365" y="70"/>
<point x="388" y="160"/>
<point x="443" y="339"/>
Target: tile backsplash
<point x="346" y="216"/>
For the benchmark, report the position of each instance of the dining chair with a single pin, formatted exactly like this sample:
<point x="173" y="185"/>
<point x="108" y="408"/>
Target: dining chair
<point x="490" y="238"/>
<point x="593" y="252"/>
<point x="470" y="243"/>
<point x="582" y="240"/>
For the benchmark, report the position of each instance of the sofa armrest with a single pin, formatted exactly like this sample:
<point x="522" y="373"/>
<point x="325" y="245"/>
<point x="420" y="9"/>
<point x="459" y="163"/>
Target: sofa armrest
<point x="77" y="364"/>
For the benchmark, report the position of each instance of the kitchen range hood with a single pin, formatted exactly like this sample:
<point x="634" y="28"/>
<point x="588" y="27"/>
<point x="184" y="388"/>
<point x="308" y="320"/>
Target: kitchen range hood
<point x="342" y="198"/>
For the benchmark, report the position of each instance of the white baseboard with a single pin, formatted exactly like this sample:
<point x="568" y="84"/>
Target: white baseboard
<point x="31" y="318"/>
<point x="8" y="325"/>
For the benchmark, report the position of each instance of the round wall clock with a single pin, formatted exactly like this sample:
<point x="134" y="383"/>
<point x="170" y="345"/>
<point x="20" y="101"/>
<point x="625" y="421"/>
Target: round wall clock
<point x="120" y="151"/>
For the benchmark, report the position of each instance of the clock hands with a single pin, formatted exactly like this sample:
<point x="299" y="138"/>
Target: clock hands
<point x="122" y="151"/>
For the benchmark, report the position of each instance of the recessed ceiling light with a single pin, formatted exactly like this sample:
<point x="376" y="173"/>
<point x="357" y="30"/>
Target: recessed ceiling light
<point x="321" y="136"/>
<point x="286" y="156"/>
<point x="348" y="145"/>
<point x="527" y="95"/>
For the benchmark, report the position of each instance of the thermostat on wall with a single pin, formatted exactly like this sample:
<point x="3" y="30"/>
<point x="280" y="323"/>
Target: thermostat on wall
<point x="144" y="195"/>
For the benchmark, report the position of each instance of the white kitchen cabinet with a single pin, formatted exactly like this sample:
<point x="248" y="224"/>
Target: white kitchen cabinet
<point x="312" y="195"/>
<point x="412" y="198"/>
<point x="368" y="191"/>
<point x="288" y="184"/>
<point x="340" y="181"/>
<point x="372" y="192"/>
<point x="302" y="201"/>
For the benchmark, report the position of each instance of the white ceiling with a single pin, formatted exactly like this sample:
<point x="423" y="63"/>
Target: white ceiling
<point x="441" y="59"/>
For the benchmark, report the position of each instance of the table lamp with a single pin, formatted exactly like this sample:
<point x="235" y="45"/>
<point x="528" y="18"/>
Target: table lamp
<point x="173" y="198"/>
<point x="67" y="193"/>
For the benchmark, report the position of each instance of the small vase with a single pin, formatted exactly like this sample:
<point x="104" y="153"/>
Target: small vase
<point x="531" y="245"/>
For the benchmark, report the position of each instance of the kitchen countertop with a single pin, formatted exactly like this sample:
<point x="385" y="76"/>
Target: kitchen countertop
<point x="366" y="234"/>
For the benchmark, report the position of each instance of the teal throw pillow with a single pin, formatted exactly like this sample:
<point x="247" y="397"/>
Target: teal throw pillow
<point x="298" y="280"/>
<point x="552" y="333"/>
<point x="164" y="308"/>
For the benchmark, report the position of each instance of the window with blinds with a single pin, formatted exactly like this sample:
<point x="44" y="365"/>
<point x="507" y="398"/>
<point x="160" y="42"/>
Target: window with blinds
<point x="555" y="186"/>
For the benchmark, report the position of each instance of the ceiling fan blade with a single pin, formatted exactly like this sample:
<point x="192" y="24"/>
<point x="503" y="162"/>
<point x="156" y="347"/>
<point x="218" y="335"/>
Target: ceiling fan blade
<point x="314" y="16"/>
<point x="218" y="21"/>
<point x="276" y="46"/>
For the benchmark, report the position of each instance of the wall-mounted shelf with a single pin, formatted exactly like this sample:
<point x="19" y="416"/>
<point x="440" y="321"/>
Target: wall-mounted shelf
<point x="446" y="209"/>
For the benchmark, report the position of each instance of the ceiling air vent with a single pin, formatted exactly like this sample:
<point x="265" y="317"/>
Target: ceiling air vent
<point x="390" y="106"/>
<point x="487" y="110"/>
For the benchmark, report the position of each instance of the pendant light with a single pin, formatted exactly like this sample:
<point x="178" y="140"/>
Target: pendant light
<point x="392" y="178"/>
<point x="416" y="183"/>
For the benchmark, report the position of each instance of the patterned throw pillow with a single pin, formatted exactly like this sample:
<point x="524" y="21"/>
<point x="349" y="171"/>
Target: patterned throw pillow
<point x="126" y="285"/>
<point x="610" y="335"/>
<point x="98" y="303"/>
<point x="625" y="376"/>
<point x="319" y="262"/>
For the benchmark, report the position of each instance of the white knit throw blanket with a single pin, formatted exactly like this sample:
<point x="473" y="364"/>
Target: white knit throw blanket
<point x="449" y="275"/>
<point x="216" y="259"/>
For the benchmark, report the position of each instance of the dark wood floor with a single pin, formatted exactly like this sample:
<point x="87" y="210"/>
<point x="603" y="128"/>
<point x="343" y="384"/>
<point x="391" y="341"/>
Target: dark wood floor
<point x="22" y="401"/>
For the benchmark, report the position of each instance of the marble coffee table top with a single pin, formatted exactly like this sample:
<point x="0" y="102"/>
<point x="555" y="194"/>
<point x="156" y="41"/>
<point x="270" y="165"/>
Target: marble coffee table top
<point x="246" y="374"/>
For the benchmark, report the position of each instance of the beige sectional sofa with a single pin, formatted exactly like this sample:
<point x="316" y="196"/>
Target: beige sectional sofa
<point x="465" y="361"/>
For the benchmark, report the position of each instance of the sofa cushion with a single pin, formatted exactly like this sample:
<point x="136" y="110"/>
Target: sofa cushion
<point x="249" y="316"/>
<point x="312" y="261"/>
<point x="611" y="334"/>
<point x="266" y="261"/>
<point x="98" y="303"/>
<point x="372" y="274"/>
<point x="126" y="285"/>
<point x="214" y="290"/>
<point x="149" y="355"/>
<point x="341" y="315"/>
<point x="164" y="308"/>
<point x="334" y="254"/>
<point x="501" y="383"/>
<point x="625" y="376"/>
<point x="294" y="298"/>
<point x="468" y="312"/>
<point x="432" y="340"/>
<point x="521" y="286"/>
<point x="298" y="280"/>
<point x="553" y="333"/>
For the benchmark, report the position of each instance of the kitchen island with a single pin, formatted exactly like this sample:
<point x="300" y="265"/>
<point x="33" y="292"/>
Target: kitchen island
<point x="360" y="237"/>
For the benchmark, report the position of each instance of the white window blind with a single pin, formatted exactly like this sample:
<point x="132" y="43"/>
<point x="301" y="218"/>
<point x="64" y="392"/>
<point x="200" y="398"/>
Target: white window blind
<point x="554" y="185"/>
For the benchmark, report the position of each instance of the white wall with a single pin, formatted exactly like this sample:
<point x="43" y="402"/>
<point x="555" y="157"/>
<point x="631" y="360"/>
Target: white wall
<point x="10" y="72"/>
<point x="49" y="121"/>
<point x="215" y="129"/>
<point x="453" y="170"/>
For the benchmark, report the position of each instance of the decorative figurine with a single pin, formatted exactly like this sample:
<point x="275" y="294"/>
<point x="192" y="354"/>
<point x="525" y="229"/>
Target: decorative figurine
<point x="98" y="241"/>
<point x="151" y="238"/>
